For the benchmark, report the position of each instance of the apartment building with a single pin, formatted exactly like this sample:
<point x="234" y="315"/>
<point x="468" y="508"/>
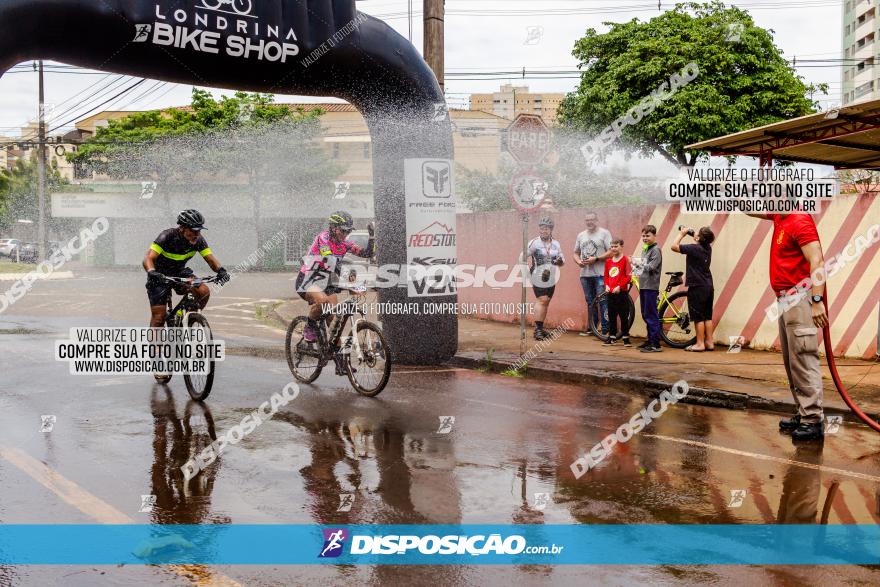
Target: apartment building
<point x="860" y="78"/>
<point x="513" y="100"/>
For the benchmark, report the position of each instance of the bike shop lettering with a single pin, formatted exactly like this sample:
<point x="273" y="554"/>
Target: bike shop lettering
<point x="203" y="29"/>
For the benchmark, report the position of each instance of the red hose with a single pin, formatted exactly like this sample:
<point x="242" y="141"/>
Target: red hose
<point x="832" y="366"/>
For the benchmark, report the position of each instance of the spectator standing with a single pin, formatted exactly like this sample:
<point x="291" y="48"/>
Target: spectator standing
<point x="701" y="289"/>
<point x="649" y="288"/>
<point x="591" y="250"/>
<point x="618" y="273"/>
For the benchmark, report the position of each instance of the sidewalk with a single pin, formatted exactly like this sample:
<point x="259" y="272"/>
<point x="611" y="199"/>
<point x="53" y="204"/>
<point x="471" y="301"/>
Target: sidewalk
<point x="745" y="380"/>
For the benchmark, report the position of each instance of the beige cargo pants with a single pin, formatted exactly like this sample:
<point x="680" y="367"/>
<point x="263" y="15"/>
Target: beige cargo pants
<point x="799" y="338"/>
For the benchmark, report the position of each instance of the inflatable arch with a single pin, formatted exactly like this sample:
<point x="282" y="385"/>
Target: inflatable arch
<point x="309" y="47"/>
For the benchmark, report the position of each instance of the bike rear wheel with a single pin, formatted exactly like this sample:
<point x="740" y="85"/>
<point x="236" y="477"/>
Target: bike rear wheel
<point x="676" y="328"/>
<point x="212" y="4"/>
<point x="303" y="358"/>
<point x="593" y="316"/>
<point x="199" y="384"/>
<point x="368" y="360"/>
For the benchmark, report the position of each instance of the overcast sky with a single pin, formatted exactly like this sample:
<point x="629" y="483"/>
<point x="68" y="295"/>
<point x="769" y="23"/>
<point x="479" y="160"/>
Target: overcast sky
<point x="492" y="39"/>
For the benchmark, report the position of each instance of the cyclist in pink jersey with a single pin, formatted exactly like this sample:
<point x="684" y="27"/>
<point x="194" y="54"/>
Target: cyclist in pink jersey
<point x="322" y="262"/>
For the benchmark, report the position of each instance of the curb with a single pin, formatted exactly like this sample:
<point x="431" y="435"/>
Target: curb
<point x="651" y="387"/>
<point x="40" y="275"/>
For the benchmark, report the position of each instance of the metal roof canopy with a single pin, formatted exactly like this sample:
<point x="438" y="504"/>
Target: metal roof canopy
<point x="847" y="138"/>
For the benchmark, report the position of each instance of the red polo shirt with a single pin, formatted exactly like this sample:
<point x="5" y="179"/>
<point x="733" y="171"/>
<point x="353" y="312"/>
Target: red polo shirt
<point x="788" y="266"/>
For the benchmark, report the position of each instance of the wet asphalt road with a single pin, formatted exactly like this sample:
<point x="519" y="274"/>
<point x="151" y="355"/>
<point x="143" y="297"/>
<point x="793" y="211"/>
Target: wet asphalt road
<point x="118" y="438"/>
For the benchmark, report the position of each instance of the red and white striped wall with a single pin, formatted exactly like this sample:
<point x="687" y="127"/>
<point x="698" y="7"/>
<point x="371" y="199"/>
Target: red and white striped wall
<point x="740" y="266"/>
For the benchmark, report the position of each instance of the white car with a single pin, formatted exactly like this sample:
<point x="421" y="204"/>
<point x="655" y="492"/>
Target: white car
<point x="8" y="246"/>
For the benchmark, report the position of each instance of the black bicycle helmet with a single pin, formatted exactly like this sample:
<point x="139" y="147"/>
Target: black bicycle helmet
<point x="341" y="219"/>
<point x="546" y="221"/>
<point x="191" y="219"/>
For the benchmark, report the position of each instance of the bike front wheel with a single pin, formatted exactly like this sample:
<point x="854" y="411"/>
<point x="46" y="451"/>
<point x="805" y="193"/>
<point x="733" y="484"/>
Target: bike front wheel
<point x="199" y="384"/>
<point x="303" y="358"/>
<point x="368" y="360"/>
<point x="676" y="328"/>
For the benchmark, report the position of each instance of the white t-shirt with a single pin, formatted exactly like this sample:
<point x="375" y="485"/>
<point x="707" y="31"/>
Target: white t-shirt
<point x="592" y="245"/>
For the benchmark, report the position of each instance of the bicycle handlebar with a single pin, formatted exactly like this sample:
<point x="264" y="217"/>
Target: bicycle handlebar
<point x="190" y="281"/>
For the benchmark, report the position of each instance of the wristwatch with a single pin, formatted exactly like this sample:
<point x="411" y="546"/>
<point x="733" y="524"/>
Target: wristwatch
<point x="817" y="299"/>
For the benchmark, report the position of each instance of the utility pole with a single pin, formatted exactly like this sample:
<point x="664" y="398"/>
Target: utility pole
<point x="410" y="20"/>
<point x="41" y="174"/>
<point x="434" y="14"/>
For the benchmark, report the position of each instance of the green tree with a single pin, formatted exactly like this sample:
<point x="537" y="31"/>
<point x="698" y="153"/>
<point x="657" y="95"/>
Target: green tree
<point x="243" y="143"/>
<point x="18" y="193"/>
<point x="743" y="79"/>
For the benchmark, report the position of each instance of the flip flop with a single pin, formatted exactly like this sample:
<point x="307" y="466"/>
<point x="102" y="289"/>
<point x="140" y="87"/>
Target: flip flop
<point x="691" y="349"/>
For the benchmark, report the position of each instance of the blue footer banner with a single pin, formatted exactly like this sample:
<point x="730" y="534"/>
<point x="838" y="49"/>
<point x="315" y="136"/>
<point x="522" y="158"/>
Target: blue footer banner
<point x="491" y="544"/>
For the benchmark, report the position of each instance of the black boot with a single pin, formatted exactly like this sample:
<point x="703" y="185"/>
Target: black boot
<point x="808" y="431"/>
<point x="790" y="424"/>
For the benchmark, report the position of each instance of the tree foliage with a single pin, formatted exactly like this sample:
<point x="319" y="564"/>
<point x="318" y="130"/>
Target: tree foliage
<point x="18" y="192"/>
<point x="743" y="80"/>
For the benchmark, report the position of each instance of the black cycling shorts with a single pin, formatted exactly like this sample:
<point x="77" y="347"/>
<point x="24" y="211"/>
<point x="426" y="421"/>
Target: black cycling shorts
<point x="159" y="292"/>
<point x="701" y="301"/>
<point x="543" y="291"/>
<point x="321" y="283"/>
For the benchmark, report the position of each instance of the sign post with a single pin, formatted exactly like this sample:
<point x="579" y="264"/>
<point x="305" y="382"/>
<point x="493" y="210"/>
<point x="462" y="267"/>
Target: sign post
<point x="528" y="142"/>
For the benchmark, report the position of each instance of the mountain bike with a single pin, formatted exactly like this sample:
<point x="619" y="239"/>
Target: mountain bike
<point x="239" y="6"/>
<point x="188" y="314"/>
<point x="363" y="355"/>
<point x="676" y="329"/>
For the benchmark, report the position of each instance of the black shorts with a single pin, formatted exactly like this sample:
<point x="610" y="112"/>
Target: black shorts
<point x="159" y="292"/>
<point x="543" y="291"/>
<point x="322" y="284"/>
<point x="701" y="302"/>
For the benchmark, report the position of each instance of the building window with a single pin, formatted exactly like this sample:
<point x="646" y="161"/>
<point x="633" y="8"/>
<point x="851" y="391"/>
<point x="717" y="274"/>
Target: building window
<point x="863" y="89"/>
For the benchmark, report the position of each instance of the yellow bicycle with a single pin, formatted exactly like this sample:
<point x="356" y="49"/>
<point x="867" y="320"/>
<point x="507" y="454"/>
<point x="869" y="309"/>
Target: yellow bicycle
<point x="676" y="329"/>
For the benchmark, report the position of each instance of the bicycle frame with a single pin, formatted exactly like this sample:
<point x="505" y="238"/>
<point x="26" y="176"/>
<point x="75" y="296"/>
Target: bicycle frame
<point x="187" y="303"/>
<point x="661" y="299"/>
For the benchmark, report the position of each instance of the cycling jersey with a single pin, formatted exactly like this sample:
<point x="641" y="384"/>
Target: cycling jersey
<point x="543" y="253"/>
<point x="327" y="253"/>
<point x="175" y="251"/>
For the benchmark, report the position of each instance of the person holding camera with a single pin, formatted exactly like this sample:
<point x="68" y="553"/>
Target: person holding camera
<point x="544" y="256"/>
<point x="701" y="289"/>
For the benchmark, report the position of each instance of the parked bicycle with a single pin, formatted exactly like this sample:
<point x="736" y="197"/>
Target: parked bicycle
<point x="362" y="355"/>
<point x="676" y="329"/>
<point x="188" y="314"/>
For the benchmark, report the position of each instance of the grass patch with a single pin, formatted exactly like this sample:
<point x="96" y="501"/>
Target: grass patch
<point x="487" y="363"/>
<point x="518" y="372"/>
<point x="16" y="267"/>
<point x="20" y="331"/>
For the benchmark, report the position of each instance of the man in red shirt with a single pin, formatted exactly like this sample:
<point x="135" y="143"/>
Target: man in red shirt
<point x="795" y="255"/>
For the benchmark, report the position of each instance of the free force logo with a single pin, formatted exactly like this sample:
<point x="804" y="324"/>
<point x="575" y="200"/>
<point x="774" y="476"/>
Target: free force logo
<point x="436" y="234"/>
<point x="334" y="539"/>
<point x="436" y="176"/>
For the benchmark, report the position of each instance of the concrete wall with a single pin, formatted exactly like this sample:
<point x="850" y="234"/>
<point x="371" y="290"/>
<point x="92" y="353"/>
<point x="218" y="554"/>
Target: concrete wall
<point x="740" y="266"/>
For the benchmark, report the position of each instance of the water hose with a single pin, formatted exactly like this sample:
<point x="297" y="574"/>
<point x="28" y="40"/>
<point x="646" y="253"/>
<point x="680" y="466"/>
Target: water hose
<point x="832" y="366"/>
